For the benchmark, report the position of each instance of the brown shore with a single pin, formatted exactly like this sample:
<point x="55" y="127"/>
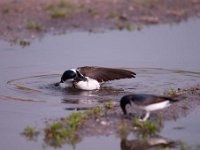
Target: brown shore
<point x="29" y="19"/>
<point x="111" y="119"/>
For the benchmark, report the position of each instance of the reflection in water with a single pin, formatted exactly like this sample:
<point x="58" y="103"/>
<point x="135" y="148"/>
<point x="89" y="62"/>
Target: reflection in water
<point x="155" y="142"/>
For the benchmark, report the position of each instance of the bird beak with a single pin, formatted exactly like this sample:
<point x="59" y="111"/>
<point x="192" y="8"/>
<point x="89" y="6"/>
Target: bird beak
<point x="123" y="102"/>
<point x="124" y="111"/>
<point x="58" y="83"/>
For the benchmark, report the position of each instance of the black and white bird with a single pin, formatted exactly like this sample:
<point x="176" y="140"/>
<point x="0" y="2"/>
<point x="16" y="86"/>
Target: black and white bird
<point x="146" y="102"/>
<point x="90" y="77"/>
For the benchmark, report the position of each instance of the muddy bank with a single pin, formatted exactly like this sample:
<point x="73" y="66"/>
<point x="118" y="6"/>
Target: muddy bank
<point x="22" y="19"/>
<point x="109" y="120"/>
<point x="112" y="117"/>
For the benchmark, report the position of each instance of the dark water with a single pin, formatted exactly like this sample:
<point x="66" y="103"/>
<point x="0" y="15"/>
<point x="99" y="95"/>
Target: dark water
<point x="164" y="57"/>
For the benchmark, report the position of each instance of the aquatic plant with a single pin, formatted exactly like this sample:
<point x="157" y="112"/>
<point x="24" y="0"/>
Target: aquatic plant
<point x="62" y="5"/>
<point x="24" y="42"/>
<point x="172" y="92"/>
<point x="139" y="27"/>
<point x="123" y="130"/>
<point x="75" y="119"/>
<point x="30" y="133"/>
<point x="6" y="10"/>
<point x="33" y="25"/>
<point x="57" y="133"/>
<point x="59" y="14"/>
<point x="122" y="26"/>
<point x="16" y="40"/>
<point x="145" y="128"/>
<point x="114" y="14"/>
<point x="51" y="7"/>
<point x="65" y="130"/>
<point x="129" y="27"/>
<point x="107" y="107"/>
<point x="61" y="9"/>
<point x="95" y="112"/>
<point x="109" y="104"/>
<point x="92" y="11"/>
<point x="65" y="4"/>
<point x="147" y="3"/>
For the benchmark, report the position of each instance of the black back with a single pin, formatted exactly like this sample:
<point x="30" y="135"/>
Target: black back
<point x="143" y="100"/>
<point x="147" y="99"/>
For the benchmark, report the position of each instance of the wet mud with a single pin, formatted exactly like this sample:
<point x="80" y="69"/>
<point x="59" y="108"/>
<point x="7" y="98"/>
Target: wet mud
<point x="107" y="119"/>
<point x="110" y="120"/>
<point x="24" y="20"/>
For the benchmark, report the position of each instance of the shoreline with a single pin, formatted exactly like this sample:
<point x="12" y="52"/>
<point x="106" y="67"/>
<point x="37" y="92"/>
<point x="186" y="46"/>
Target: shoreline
<point x="30" y="19"/>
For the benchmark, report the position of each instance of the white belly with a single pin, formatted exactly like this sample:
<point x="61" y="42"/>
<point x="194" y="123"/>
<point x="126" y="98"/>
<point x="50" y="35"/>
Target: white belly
<point x="90" y="84"/>
<point x="66" y="84"/>
<point x="157" y="106"/>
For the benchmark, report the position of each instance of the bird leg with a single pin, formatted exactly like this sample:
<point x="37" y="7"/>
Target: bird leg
<point x="146" y="116"/>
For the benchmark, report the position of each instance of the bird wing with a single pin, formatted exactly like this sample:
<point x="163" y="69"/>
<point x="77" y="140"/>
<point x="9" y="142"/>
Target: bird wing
<point x="102" y="74"/>
<point x="148" y="99"/>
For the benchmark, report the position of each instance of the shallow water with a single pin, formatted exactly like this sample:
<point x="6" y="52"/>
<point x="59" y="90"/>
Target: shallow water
<point x="163" y="56"/>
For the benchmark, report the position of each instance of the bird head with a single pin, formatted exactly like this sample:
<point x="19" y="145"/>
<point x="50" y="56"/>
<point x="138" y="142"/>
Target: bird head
<point x="123" y="102"/>
<point x="68" y="75"/>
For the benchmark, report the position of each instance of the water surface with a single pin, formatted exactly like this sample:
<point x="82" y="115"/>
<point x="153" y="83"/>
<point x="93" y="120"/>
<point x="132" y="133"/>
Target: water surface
<point x="163" y="56"/>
